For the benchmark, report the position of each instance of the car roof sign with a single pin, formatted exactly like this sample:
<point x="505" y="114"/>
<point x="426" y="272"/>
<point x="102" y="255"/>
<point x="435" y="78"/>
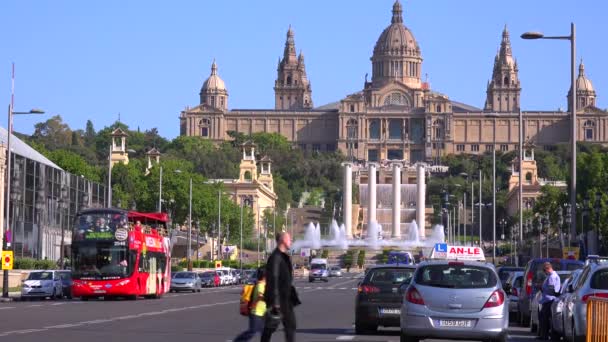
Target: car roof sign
<point x="444" y="251"/>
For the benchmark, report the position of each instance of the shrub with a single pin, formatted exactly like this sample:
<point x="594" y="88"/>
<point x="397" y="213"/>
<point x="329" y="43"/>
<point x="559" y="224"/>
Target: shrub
<point x="45" y="265"/>
<point x="176" y="268"/>
<point x="348" y="259"/>
<point x="361" y="258"/>
<point x="325" y="254"/>
<point x="24" y="263"/>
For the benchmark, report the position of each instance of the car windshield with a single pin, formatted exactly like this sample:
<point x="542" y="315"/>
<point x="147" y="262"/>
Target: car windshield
<point x="207" y="275"/>
<point x="99" y="225"/>
<point x="184" y="275"/>
<point x="389" y="276"/>
<point x="40" y="276"/>
<point x="335" y="268"/>
<point x="318" y="267"/>
<point x="456" y="276"/>
<point x="517" y="282"/>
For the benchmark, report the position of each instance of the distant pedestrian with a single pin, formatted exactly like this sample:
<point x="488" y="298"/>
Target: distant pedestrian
<point x="550" y="289"/>
<point x="280" y="296"/>
<point x="257" y="309"/>
<point x="216" y="280"/>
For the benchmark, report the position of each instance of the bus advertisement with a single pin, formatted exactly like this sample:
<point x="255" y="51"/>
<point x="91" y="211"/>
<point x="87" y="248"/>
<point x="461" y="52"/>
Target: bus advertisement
<point x="119" y="253"/>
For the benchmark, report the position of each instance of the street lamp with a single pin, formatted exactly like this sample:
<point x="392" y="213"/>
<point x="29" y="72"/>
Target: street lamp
<point x="62" y="203"/>
<point x="597" y="206"/>
<point x="464" y="204"/>
<point x="572" y="39"/>
<point x="568" y="220"/>
<point x="189" y="255"/>
<point x="503" y="224"/>
<point x="245" y="200"/>
<point x="40" y="206"/>
<point x="585" y="222"/>
<point x="11" y="112"/>
<point x="494" y="116"/>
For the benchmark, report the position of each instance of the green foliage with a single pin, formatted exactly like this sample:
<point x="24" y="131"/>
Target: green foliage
<point x="33" y="264"/>
<point x="74" y="163"/>
<point x="325" y="254"/>
<point x="361" y="258"/>
<point x="347" y="258"/>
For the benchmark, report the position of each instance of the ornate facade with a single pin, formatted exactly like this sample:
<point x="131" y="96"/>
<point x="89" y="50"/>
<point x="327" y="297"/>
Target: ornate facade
<point x="396" y="115"/>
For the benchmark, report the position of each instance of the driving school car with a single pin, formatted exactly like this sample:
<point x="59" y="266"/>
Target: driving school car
<point x="455" y="295"/>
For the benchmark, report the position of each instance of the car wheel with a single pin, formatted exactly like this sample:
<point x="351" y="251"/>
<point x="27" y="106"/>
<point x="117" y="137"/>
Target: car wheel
<point x="84" y="299"/>
<point x="406" y="338"/>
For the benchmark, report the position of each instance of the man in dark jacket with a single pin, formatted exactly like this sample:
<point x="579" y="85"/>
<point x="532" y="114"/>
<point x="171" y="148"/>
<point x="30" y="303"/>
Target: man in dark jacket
<point x="280" y="296"/>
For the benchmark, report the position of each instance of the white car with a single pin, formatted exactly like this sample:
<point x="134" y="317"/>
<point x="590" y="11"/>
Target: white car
<point x="42" y="284"/>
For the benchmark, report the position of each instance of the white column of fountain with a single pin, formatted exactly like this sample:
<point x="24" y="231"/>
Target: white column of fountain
<point x="396" y="233"/>
<point x="420" y="204"/>
<point x="371" y="195"/>
<point x="347" y="199"/>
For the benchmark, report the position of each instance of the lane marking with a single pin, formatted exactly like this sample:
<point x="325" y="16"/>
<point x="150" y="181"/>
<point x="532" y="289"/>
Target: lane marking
<point x="33" y="306"/>
<point x="120" y="318"/>
<point x="345" y="338"/>
<point x="7" y="307"/>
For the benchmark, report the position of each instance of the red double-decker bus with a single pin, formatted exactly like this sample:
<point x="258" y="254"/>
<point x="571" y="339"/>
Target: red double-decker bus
<point x="118" y="253"/>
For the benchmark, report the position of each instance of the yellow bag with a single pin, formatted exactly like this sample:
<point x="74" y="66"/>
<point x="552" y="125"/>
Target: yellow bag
<point x="245" y="302"/>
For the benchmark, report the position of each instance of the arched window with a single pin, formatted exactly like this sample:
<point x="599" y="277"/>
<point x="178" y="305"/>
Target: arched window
<point x="529" y="177"/>
<point x="247" y="176"/>
<point x="374" y="129"/>
<point x="395" y="128"/>
<point x="506" y="82"/>
<point x="438" y="126"/>
<point x="205" y="127"/>
<point x="589" y="128"/>
<point x="396" y="99"/>
<point x="352" y="108"/>
<point x="352" y="129"/>
<point x="438" y="108"/>
<point x="289" y="80"/>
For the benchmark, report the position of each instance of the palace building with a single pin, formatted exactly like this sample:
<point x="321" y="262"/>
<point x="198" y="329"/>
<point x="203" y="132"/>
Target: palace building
<point x="396" y="115"/>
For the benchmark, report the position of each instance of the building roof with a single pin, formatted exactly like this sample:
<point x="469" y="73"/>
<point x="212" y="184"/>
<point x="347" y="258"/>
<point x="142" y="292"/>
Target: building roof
<point x="19" y="147"/>
<point x="329" y="106"/>
<point x="459" y="107"/>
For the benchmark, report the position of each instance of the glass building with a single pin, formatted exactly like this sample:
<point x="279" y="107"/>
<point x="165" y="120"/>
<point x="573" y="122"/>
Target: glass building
<point x="44" y="200"/>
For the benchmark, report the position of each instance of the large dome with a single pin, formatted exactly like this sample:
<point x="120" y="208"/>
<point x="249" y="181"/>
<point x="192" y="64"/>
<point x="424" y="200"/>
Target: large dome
<point x="582" y="82"/>
<point x="396" y="39"/>
<point x="214" y="82"/>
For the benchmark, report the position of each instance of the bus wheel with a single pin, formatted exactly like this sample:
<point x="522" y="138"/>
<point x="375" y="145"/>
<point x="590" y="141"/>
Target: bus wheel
<point x="133" y="297"/>
<point x="84" y="299"/>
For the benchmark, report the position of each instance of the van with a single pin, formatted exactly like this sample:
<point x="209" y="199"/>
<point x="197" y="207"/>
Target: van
<point x="318" y="270"/>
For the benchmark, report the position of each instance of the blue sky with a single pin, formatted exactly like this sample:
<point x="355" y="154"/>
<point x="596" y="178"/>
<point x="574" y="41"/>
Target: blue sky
<point x="148" y="59"/>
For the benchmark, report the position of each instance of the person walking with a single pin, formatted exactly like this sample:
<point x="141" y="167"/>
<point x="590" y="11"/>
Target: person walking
<point x="549" y="290"/>
<point x="280" y="296"/>
<point x="258" y="308"/>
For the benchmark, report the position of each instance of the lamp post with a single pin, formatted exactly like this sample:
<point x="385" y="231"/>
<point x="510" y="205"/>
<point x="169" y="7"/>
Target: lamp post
<point x="40" y="205"/>
<point x="160" y="190"/>
<point x="11" y="112"/>
<point x="572" y="39"/>
<point x="540" y="238"/>
<point x="585" y="223"/>
<point x="503" y="224"/>
<point x="493" y="116"/>
<point x="464" y="204"/>
<point x="568" y="220"/>
<point x="62" y="203"/>
<point x="596" y="236"/>
<point x="547" y="231"/>
<point x="245" y="200"/>
<point x="560" y="224"/>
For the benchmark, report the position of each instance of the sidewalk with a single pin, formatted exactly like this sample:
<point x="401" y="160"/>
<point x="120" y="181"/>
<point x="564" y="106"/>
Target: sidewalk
<point x="11" y="296"/>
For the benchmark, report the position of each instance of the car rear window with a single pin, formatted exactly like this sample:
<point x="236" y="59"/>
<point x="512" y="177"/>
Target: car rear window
<point x="599" y="280"/>
<point x="573" y="266"/>
<point x="517" y="282"/>
<point x="389" y="276"/>
<point x="456" y="276"/>
<point x="184" y="275"/>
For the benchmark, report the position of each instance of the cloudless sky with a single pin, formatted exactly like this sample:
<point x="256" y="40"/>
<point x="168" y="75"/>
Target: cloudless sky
<point x="148" y="59"/>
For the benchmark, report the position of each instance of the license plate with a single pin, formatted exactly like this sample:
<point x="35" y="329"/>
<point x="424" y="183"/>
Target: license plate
<point x="99" y="291"/>
<point x="390" y="311"/>
<point x="455" y="323"/>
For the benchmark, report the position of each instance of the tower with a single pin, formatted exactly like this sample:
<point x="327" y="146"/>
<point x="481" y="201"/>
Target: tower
<point x="118" y="149"/>
<point x="153" y="155"/>
<point x="585" y="93"/>
<point x="504" y="88"/>
<point x="265" y="173"/>
<point x="292" y="89"/>
<point x="248" y="168"/>
<point x="214" y="92"/>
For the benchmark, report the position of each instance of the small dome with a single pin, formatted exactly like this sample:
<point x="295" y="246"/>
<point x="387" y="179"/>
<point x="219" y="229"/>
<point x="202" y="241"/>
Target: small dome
<point x="582" y="82"/>
<point x="395" y="39"/>
<point x="214" y="82"/>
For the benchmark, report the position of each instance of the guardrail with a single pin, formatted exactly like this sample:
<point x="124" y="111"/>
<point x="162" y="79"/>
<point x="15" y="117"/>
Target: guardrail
<point x="597" y="316"/>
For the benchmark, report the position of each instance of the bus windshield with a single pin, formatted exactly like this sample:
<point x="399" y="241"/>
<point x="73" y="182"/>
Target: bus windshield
<point x="99" y="225"/>
<point x="102" y="261"/>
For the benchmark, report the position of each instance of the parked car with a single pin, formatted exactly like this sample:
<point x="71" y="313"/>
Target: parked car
<point x="533" y="280"/>
<point x="249" y="276"/>
<point x="512" y="287"/>
<point x="335" y="271"/>
<point x="454" y="300"/>
<point x="379" y="297"/>
<point x="185" y="281"/>
<point x="593" y="282"/>
<point x="42" y="284"/>
<point x="318" y="270"/>
<point x="66" y="283"/>
<point x="504" y="272"/>
<point x="557" y="309"/>
<point x="535" y="306"/>
<point x="207" y="278"/>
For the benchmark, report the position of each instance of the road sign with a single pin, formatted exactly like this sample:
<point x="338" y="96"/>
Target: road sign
<point x="304" y="252"/>
<point x="444" y="251"/>
<point x="218" y="263"/>
<point x="7" y="260"/>
<point x="227" y="249"/>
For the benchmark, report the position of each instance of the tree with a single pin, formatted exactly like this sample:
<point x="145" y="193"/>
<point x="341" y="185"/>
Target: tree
<point x="73" y="163"/>
<point x="53" y="133"/>
<point x="89" y="134"/>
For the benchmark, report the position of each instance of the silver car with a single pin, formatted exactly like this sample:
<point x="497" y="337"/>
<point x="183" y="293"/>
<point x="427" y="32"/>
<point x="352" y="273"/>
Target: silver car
<point x="512" y="287"/>
<point x="42" y="284"/>
<point x="335" y="271"/>
<point x="185" y="281"/>
<point x="454" y="300"/>
<point x="557" y="308"/>
<point x="593" y="282"/>
<point x="534" y="303"/>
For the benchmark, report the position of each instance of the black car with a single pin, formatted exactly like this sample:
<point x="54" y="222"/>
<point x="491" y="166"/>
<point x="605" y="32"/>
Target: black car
<point x="379" y="297"/>
<point x="66" y="283"/>
<point x="207" y="278"/>
<point x="505" y="271"/>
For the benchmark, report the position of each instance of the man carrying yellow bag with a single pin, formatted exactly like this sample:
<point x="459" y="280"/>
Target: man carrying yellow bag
<point x="254" y="307"/>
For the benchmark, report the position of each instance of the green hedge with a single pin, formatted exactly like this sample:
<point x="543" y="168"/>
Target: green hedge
<point x="33" y="264"/>
<point x="361" y="258"/>
<point x="347" y="259"/>
<point x="325" y="254"/>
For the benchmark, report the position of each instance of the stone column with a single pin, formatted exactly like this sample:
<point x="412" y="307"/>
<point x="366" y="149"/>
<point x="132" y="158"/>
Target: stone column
<point x="420" y="203"/>
<point x="396" y="233"/>
<point x="347" y="199"/>
<point x="371" y="194"/>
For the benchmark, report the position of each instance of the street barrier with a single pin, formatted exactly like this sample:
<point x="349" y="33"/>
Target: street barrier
<point x="597" y="317"/>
